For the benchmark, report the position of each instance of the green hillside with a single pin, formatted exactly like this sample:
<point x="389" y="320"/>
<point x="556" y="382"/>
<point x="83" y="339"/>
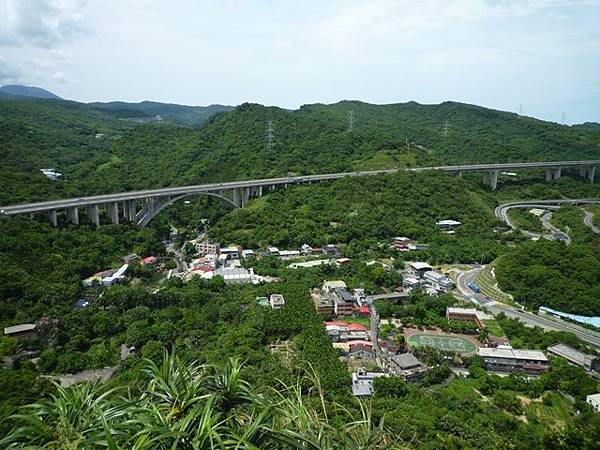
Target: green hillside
<point x="232" y="145"/>
<point x="182" y="114"/>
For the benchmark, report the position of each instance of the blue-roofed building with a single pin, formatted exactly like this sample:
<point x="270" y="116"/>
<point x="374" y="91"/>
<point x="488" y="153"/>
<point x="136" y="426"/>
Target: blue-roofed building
<point x="595" y="321"/>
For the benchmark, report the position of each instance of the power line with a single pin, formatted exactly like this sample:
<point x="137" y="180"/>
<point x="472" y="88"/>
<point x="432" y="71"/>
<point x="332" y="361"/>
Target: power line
<point x="446" y="128"/>
<point x="350" y="120"/>
<point x="270" y="134"/>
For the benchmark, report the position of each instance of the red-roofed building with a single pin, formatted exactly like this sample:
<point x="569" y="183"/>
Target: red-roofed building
<point x="202" y="269"/>
<point x="363" y="310"/>
<point x="148" y="261"/>
<point x="356" y="327"/>
<point x="360" y="348"/>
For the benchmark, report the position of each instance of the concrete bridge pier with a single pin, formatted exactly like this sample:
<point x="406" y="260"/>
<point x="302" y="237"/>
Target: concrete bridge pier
<point x="260" y="191"/>
<point x="52" y="217"/>
<point x="237" y="197"/>
<point x="93" y="214"/>
<point x="131" y="210"/>
<point x="113" y="212"/>
<point x="591" y="173"/>
<point x="494" y="179"/>
<point x="125" y="209"/>
<point x="73" y="215"/>
<point x="553" y="174"/>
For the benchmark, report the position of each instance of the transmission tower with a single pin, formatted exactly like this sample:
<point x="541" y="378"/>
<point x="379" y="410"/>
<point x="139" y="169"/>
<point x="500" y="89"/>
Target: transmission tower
<point x="446" y="128"/>
<point x="520" y="109"/>
<point x="350" y="120"/>
<point x="564" y="118"/>
<point x="270" y="132"/>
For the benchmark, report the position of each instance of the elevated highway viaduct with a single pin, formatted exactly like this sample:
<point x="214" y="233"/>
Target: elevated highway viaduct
<point x="140" y="207"/>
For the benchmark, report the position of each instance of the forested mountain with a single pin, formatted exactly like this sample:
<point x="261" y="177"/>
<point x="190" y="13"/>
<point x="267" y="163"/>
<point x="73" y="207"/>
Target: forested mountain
<point x="27" y="91"/>
<point x="182" y="114"/>
<point x="231" y="145"/>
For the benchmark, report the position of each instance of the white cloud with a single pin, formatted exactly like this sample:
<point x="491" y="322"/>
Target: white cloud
<point x="9" y="72"/>
<point x="40" y="23"/>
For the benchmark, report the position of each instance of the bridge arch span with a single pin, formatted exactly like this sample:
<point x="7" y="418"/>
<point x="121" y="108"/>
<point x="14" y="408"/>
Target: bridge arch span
<point x="145" y="215"/>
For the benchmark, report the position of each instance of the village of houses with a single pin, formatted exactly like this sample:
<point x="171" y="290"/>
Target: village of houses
<point x="350" y="317"/>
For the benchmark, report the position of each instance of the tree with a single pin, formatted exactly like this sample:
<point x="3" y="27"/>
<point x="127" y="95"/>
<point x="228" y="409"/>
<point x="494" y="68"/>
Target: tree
<point x="394" y="387"/>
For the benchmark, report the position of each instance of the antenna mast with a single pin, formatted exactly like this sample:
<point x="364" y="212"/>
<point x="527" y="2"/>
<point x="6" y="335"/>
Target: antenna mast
<point x="270" y="132"/>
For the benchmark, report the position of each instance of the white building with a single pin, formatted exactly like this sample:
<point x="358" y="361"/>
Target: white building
<point x="362" y="382"/>
<point x="438" y="281"/>
<point x="276" y="301"/>
<point x="594" y="401"/>
<point x="231" y="251"/>
<point x="448" y="223"/>
<point x="236" y="275"/>
<point x="248" y="254"/>
<point x="51" y="174"/>
<point x="289" y="254"/>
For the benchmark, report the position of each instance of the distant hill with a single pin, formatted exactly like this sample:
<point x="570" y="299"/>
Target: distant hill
<point x="135" y="151"/>
<point x="28" y="91"/>
<point x="153" y="111"/>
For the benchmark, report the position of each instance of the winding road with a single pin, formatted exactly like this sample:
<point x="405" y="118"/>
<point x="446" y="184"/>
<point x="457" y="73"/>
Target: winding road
<point x="588" y="220"/>
<point x="529" y="319"/>
<point x="501" y="213"/>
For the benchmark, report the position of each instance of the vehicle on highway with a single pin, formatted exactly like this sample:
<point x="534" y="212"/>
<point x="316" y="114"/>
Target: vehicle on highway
<point x="474" y="287"/>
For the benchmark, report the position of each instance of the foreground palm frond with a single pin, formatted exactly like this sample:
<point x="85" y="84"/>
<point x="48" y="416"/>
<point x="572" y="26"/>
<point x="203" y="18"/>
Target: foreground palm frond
<point x="193" y="406"/>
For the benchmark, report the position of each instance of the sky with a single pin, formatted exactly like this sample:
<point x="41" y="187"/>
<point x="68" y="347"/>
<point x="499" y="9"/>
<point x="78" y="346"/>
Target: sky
<point x="538" y="57"/>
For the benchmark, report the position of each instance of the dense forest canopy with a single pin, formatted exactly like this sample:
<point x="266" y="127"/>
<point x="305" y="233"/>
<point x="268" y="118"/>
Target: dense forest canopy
<point x="544" y="273"/>
<point x="171" y="342"/>
<point x="231" y="145"/>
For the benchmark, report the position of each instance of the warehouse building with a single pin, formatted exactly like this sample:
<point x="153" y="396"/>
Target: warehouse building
<point x="504" y="358"/>
<point x="587" y="361"/>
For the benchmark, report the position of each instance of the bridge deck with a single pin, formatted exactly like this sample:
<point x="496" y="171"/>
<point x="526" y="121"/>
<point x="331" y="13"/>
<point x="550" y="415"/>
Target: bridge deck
<point x="215" y="187"/>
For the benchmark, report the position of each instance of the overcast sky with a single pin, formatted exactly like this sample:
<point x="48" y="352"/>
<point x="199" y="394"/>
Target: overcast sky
<point x="543" y="55"/>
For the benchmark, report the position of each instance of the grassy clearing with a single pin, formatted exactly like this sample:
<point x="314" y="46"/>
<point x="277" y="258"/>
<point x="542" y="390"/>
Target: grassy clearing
<point x="570" y="220"/>
<point x="524" y="220"/>
<point x="489" y="286"/>
<point x="555" y="412"/>
<point x="493" y="327"/>
<point x="366" y="321"/>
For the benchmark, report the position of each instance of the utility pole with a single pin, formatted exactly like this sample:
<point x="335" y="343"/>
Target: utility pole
<point x="350" y="120"/>
<point x="446" y="127"/>
<point x="270" y="132"/>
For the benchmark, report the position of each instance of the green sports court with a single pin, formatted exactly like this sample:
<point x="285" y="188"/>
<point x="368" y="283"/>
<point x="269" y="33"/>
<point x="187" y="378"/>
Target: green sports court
<point x="442" y="342"/>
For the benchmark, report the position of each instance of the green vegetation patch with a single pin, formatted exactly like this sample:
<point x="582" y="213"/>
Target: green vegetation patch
<point x="494" y="328"/>
<point x="524" y="220"/>
<point x="447" y="343"/>
<point x="570" y="220"/>
<point x="550" y="273"/>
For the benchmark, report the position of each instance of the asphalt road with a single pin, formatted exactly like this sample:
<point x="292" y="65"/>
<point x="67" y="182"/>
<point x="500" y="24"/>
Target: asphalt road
<point x="588" y="220"/>
<point x="529" y="319"/>
<point x="501" y="213"/>
<point x="184" y="190"/>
